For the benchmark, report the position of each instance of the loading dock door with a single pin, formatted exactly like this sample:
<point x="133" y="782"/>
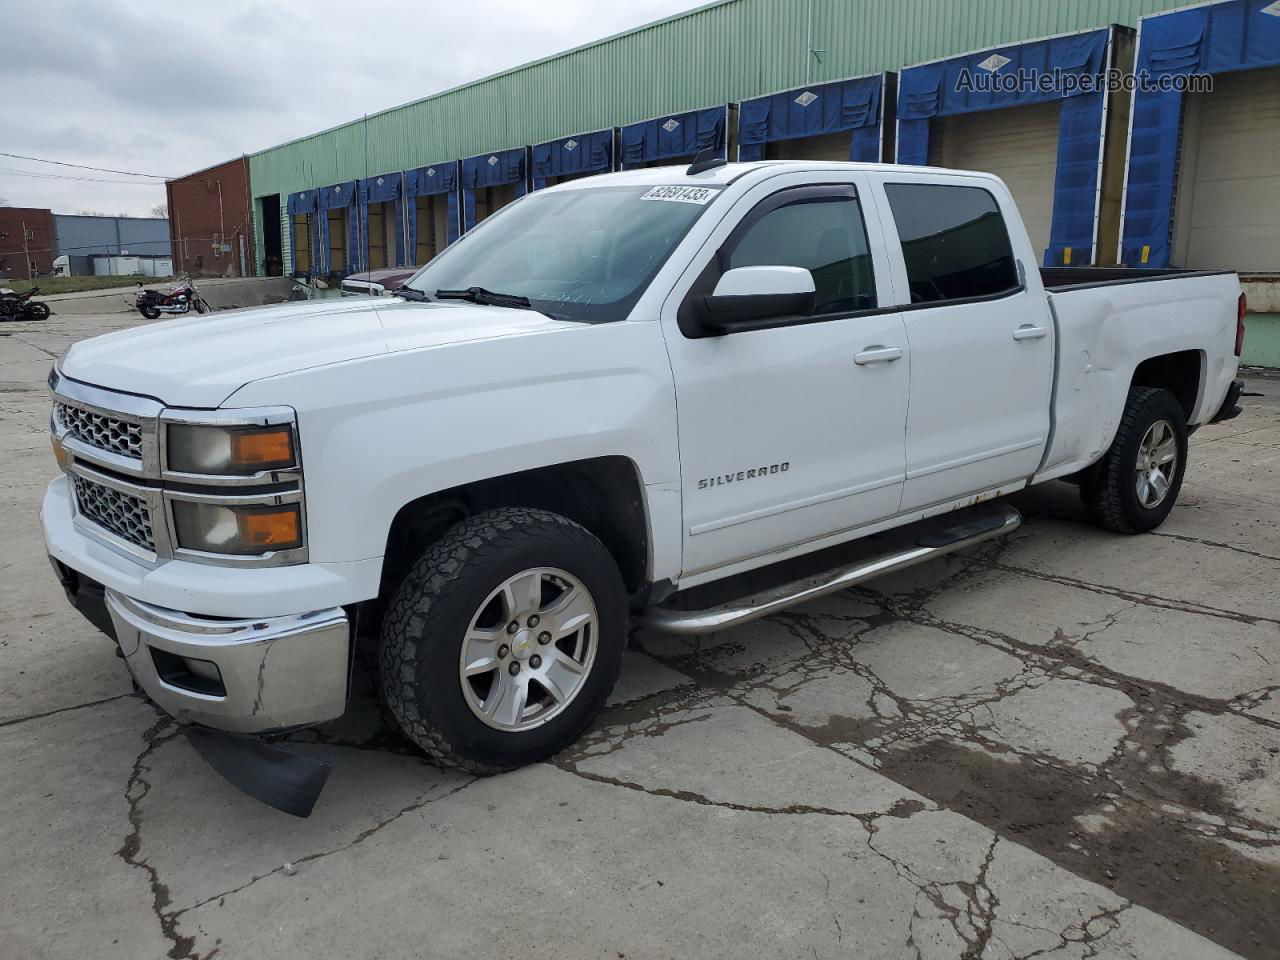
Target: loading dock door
<point x="489" y="200"/>
<point x="303" y="229"/>
<point x="838" y="121"/>
<point x="674" y="139"/>
<point x="302" y="244"/>
<point x="490" y="182"/>
<point x="1228" y="207"/>
<point x="1017" y="144"/>
<point x="828" y="146"/>
<point x="340" y="242"/>
<point x="569" y="158"/>
<point x="434" y="205"/>
<point x="432" y="233"/>
<point x="381" y="228"/>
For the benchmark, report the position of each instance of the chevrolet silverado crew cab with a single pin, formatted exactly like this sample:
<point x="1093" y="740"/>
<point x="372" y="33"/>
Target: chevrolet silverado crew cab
<point x="687" y="395"/>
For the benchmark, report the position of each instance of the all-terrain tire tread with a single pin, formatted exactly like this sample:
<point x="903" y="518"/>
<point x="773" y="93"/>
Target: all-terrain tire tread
<point x="1103" y="498"/>
<point x="438" y="571"/>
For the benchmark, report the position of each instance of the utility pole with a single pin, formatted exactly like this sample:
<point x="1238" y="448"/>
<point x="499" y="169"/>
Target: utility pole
<point x="26" y="252"/>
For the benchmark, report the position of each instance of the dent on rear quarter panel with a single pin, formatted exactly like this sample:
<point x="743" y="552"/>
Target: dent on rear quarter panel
<point x="1104" y="332"/>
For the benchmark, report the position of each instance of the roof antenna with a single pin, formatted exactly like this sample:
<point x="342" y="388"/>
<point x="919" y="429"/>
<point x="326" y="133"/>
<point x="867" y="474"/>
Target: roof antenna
<point x="706" y="160"/>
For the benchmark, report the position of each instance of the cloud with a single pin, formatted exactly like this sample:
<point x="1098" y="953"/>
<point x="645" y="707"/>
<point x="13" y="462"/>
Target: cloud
<point x="169" y="88"/>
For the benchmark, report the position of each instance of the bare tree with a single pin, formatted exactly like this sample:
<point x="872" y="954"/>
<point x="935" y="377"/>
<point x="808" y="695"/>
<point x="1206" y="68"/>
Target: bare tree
<point x="160" y="210"/>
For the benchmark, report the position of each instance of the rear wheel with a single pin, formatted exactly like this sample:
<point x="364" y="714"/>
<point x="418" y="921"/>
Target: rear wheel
<point x="151" y="313"/>
<point x="504" y="640"/>
<point x="1136" y="484"/>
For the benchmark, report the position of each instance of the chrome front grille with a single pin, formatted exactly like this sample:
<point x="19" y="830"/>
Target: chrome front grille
<point x="99" y="430"/>
<point x="126" y="516"/>
<point x="111" y="446"/>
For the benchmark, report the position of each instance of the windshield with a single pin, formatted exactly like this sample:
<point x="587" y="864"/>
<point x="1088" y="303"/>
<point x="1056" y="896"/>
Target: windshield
<point x="584" y="254"/>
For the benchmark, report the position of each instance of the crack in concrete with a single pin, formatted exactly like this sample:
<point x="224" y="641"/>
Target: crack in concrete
<point x="136" y="789"/>
<point x="1171" y="823"/>
<point x="1216" y="544"/>
<point x="690" y="796"/>
<point x="421" y="801"/>
<point x="33" y="346"/>
<point x="1145" y="599"/>
<point x="53" y="713"/>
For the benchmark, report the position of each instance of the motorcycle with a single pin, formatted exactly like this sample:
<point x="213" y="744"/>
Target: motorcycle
<point x="20" y="306"/>
<point x="183" y="299"/>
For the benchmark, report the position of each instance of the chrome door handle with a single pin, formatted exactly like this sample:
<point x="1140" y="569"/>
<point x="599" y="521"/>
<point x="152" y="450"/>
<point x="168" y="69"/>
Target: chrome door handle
<point x="877" y="354"/>
<point x="1029" y="332"/>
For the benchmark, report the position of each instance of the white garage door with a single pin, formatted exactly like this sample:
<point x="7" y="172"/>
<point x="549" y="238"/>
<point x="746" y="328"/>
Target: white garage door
<point x="1228" y="207"/>
<point x="827" y="146"/>
<point x="1017" y="144"/>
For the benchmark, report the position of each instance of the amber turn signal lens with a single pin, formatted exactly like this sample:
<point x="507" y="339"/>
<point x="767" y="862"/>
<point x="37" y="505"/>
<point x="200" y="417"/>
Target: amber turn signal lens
<point x="61" y="454"/>
<point x="262" y="449"/>
<point x="273" y="528"/>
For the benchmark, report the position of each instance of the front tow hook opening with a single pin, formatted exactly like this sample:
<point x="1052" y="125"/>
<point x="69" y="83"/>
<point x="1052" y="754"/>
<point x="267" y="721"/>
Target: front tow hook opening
<point x="288" y="781"/>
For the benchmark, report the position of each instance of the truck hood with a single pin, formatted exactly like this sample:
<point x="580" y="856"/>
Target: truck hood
<point x="200" y="362"/>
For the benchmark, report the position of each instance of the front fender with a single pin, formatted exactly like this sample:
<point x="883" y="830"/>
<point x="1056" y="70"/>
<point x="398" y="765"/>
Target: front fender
<point x="379" y="432"/>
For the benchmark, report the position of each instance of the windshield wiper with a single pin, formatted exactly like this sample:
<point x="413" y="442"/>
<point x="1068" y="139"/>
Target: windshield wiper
<point x="486" y="297"/>
<point x="409" y="293"/>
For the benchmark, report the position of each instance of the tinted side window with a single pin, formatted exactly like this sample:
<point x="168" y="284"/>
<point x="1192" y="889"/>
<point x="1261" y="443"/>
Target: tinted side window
<point x="954" y="241"/>
<point x="826" y="236"/>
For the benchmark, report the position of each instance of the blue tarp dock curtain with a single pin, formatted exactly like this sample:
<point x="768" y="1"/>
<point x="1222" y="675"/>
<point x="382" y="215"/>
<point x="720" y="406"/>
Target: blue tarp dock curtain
<point x="382" y="189"/>
<point x="435" y="178"/>
<point x="1217" y="38"/>
<point x="304" y="204"/>
<point x="853" y="105"/>
<point x="977" y="81"/>
<point x="570" y="156"/>
<point x="333" y="197"/>
<point x="491" y="170"/>
<point x="674" y="135"/>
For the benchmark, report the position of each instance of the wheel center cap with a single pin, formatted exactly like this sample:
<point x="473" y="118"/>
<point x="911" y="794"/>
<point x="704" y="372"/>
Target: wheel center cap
<point x="522" y="644"/>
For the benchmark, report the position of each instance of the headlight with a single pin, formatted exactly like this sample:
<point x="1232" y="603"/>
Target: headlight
<point x="229" y="451"/>
<point x="239" y="530"/>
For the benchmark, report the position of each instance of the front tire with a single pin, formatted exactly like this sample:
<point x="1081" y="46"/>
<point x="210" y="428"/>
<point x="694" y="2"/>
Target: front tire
<point x="504" y="640"/>
<point x="36" y="311"/>
<point x="1136" y="484"/>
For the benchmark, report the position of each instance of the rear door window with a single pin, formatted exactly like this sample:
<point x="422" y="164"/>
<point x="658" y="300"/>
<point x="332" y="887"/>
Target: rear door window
<point x="954" y="241"/>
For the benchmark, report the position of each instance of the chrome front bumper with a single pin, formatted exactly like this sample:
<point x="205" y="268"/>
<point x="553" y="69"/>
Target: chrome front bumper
<point x="241" y="676"/>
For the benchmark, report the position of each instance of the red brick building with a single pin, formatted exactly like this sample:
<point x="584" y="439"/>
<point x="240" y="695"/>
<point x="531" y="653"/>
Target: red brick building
<point x="26" y="242"/>
<point x="209" y="223"/>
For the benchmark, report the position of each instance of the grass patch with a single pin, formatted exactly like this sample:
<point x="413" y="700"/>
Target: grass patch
<point x="53" y="285"/>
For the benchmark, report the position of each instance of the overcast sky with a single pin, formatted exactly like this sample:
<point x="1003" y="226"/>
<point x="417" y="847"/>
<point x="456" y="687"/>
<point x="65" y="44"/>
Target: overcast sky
<point x="164" y="87"/>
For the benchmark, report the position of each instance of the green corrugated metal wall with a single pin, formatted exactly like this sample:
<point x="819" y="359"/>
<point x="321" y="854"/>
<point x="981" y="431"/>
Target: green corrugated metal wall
<point x="722" y="52"/>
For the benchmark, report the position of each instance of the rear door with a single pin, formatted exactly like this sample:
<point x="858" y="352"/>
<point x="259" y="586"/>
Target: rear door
<point x="980" y="334"/>
<point x="792" y="433"/>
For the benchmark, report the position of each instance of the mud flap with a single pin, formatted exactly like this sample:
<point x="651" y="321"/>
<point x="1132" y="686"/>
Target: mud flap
<point x="288" y="781"/>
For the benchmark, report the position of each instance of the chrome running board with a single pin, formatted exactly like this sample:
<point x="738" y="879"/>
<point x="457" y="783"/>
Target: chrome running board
<point x="896" y="550"/>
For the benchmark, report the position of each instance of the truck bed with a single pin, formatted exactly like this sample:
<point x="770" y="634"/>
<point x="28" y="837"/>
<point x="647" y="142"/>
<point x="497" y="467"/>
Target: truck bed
<point x="1057" y="278"/>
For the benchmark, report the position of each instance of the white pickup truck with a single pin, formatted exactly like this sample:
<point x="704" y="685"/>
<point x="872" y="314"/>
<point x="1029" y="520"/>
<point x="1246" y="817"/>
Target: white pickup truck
<point x="693" y="396"/>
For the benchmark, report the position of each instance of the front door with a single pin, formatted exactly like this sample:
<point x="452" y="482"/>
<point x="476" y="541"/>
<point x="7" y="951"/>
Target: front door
<point x="792" y="433"/>
<point x="981" y="341"/>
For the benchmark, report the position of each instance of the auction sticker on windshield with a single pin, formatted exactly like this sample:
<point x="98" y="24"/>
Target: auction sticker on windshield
<point x="698" y="195"/>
